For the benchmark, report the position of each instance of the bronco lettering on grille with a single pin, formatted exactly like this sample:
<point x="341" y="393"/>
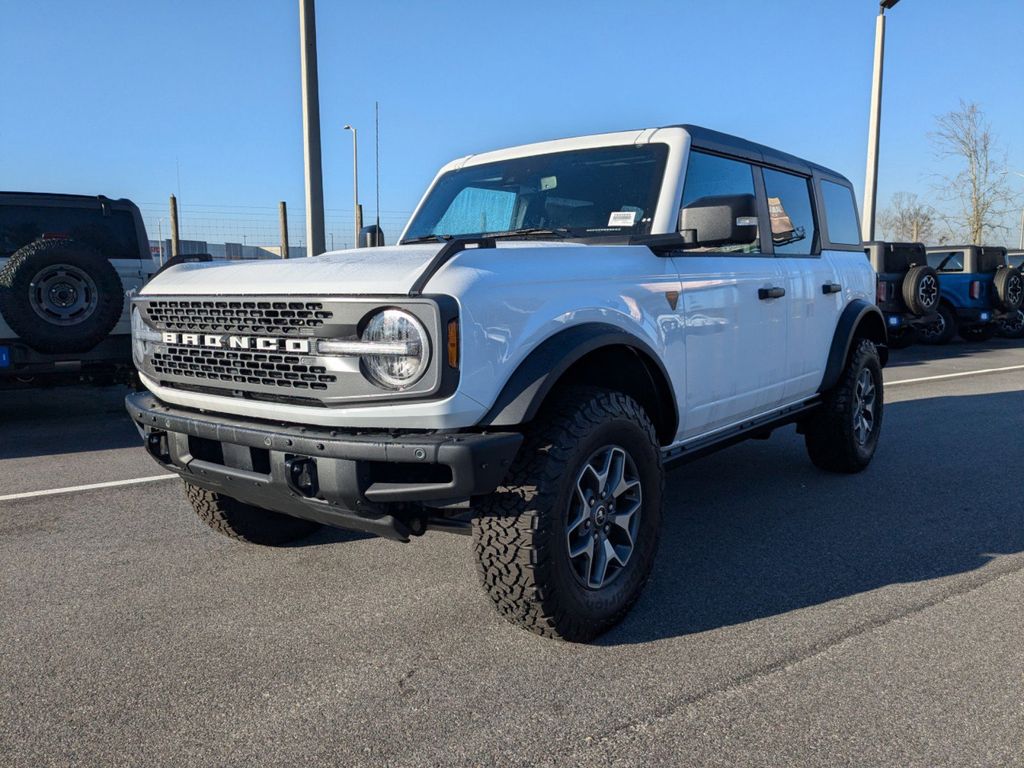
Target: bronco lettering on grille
<point x="220" y="341"/>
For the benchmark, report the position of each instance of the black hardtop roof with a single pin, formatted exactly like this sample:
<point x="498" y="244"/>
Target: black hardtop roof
<point x="943" y="248"/>
<point x="734" y="145"/>
<point x="63" y="197"/>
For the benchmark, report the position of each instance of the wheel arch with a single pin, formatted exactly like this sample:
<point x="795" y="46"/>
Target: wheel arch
<point x="860" y="320"/>
<point x="592" y="353"/>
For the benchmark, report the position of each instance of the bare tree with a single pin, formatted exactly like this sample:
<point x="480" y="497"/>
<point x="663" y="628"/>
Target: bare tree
<point x="907" y="219"/>
<point x="979" y="193"/>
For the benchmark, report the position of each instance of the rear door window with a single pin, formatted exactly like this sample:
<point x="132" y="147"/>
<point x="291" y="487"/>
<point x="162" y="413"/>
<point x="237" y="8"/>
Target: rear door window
<point x="790" y="212"/>
<point x="840" y="214"/>
<point x="113" y="236"/>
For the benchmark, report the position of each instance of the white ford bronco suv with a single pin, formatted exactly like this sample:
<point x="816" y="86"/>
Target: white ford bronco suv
<point x="558" y="324"/>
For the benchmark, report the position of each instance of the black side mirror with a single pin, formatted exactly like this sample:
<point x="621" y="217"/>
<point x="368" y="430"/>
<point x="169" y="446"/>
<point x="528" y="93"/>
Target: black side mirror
<point x="721" y="219"/>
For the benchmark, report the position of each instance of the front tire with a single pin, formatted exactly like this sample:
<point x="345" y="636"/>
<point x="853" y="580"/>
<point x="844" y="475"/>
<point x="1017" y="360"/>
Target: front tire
<point x="565" y="546"/>
<point x="842" y="436"/>
<point x="245" y="522"/>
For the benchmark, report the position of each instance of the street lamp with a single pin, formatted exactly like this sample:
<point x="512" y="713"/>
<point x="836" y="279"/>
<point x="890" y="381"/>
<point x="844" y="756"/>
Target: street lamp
<point x="357" y="215"/>
<point x="1018" y="173"/>
<point x="874" y="123"/>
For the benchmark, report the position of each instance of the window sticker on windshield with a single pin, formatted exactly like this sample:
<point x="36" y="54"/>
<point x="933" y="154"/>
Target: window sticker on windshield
<point x="548" y="182"/>
<point x="622" y="219"/>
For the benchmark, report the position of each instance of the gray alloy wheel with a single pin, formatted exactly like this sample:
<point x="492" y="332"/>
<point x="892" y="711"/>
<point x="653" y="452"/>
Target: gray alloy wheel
<point x="864" y="399"/>
<point x="928" y="291"/>
<point x="1015" y="291"/>
<point x="63" y="294"/>
<point x="604" y="516"/>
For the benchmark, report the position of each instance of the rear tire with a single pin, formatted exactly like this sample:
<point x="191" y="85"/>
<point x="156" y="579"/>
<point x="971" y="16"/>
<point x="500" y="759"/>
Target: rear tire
<point x="843" y="434"/>
<point x="543" y="539"/>
<point x="942" y="330"/>
<point x="245" y="522"/>
<point x="1013" y="326"/>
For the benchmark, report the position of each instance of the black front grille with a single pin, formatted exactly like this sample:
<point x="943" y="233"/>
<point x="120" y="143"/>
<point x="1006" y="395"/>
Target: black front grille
<point x="233" y="366"/>
<point x="236" y="316"/>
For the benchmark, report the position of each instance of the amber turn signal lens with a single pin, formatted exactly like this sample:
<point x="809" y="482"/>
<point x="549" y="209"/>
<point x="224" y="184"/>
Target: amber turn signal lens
<point x="453" y="343"/>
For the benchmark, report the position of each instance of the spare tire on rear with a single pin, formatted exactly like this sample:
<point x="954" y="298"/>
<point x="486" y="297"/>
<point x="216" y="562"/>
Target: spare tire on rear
<point x="1009" y="288"/>
<point x="921" y="290"/>
<point x="60" y="296"/>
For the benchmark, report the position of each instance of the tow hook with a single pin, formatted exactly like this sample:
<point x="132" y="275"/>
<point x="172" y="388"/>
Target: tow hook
<point x="158" y="447"/>
<point x="302" y="476"/>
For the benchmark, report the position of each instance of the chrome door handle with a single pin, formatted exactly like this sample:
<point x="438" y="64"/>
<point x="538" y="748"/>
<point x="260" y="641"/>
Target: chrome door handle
<point x="831" y="288"/>
<point x="770" y="293"/>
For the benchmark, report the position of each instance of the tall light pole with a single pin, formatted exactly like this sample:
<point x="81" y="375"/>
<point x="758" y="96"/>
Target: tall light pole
<point x="875" y="124"/>
<point x="1021" y="246"/>
<point x="357" y="219"/>
<point x="311" y="129"/>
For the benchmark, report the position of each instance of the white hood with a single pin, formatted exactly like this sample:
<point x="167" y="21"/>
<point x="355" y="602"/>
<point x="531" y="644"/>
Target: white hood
<point x="388" y="270"/>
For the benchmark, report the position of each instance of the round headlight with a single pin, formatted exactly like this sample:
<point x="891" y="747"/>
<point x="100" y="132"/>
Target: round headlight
<point x="406" y="360"/>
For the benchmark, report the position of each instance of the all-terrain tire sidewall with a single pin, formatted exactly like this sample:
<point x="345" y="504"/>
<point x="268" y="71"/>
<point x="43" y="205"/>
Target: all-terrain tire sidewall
<point x="594" y="606"/>
<point x="1009" y="285"/>
<point x="921" y="302"/>
<point x="244" y="522"/>
<point x="519" y="533"/>
<point x="830" y="438"/>
<point x="45" y="336"/>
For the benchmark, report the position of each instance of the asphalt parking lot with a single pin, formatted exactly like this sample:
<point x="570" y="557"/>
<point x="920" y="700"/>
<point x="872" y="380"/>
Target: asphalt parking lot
<point x="794" y="617"/>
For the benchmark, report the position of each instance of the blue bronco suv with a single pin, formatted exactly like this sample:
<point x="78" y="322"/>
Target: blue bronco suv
<point x="979" y="290"/>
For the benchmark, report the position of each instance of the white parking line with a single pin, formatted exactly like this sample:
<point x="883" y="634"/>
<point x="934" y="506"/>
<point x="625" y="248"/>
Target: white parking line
<point x="90" y="487"/>
<point x="955" y="375"/>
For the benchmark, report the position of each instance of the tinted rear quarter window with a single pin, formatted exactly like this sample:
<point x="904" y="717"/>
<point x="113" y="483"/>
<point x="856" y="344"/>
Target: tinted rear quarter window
<point x="840" y="214"/>
<point x="791" y="213"/>
<point x="947" y="261"/>
<point x="114" y="235"/>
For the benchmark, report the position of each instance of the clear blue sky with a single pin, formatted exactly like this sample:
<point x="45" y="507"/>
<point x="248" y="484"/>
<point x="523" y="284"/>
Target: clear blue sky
<point x="114" y="97"/>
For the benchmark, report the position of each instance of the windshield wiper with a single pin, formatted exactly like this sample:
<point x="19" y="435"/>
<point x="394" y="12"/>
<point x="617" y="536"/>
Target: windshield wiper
<point x="426" y="239"/>
<point x="561" y="232"/>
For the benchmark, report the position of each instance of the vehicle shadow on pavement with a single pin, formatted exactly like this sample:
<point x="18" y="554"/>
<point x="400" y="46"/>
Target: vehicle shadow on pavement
<point x="62" y="420"/>
<point x="756" y="531"/>
<point x="955" y="350"/>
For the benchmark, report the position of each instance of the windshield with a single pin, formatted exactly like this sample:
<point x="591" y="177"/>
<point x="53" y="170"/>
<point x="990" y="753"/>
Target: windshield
<point x="583" y="193"/>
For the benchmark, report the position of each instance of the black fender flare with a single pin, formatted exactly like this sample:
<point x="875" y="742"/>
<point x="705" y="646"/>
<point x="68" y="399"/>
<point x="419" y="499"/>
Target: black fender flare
<point x="860" y="318"/>
<point x="526" y="389"/>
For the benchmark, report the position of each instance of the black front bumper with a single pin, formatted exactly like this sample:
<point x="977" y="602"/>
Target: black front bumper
<point x="362" y="481"/>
